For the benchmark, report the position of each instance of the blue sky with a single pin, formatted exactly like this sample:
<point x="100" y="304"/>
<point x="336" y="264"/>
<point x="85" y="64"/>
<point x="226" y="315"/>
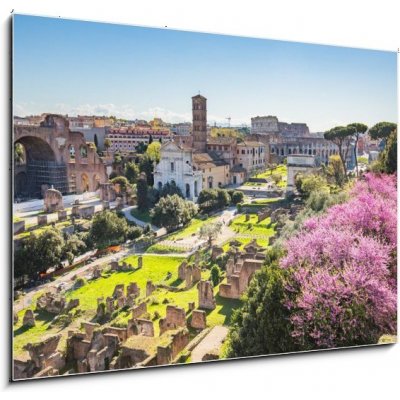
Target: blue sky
<point x="77" y="67"/>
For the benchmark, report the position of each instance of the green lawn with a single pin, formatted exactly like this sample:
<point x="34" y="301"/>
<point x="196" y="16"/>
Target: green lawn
<point x="142" y="215"/>
<point x="164" y="249"/>
<point x="193" y="227"/>
<point x="265" y="201"/>
<point x="280" y="169"/>
<point x="155" y="268"/>
<point x="245" y="240"/>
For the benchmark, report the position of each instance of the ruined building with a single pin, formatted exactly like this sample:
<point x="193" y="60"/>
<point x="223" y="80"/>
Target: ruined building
<point x="55" y="156"/>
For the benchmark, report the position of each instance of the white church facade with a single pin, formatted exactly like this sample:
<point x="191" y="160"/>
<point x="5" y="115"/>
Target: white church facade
<point x="176" y="164"/>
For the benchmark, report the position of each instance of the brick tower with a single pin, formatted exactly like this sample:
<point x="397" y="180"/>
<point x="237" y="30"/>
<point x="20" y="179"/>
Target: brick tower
<point x="199" y="130"/>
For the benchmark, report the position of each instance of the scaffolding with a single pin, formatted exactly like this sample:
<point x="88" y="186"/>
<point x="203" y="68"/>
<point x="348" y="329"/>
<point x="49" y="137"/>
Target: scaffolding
<point x="46" y="173"/>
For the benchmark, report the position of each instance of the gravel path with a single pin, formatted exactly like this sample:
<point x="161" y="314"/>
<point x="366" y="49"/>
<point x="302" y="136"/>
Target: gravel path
<point x="212" y="341"/>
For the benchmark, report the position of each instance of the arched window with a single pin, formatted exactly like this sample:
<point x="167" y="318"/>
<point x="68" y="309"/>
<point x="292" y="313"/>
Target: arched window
<point x="83" y="151"/>
<point x="72" y="152"/>
<point x="187" y="191"/>
<point x="195" y="189"/>
<point x="159" y="186"/>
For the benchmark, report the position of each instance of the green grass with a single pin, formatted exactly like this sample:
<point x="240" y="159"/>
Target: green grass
<point x="251" y="228"/>
<point x="141" y="215"/>
<point x="193" y="227"/>
<point x="244" y="241"/>
<point x="265" y="201"/>
<point x="155" y="268"/>
<point x="41" y="229"/>
<point x="164" y="249"/>
<point x="280" y="169"/>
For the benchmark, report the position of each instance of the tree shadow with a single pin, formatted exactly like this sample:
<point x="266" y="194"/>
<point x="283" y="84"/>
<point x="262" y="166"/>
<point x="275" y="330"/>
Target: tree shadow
<point x="176" y="282"/>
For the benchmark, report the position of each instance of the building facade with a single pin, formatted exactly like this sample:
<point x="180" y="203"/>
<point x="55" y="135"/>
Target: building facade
<point x="251" y="155"/>
<point x="125" y="139"/>
<point x="199" y="128"/>
<point x="56" y="156"/>
<point x="177" y="165"/>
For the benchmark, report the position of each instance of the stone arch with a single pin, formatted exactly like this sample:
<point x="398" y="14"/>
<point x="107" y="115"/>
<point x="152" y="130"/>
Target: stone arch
<point x="85" y="183"/>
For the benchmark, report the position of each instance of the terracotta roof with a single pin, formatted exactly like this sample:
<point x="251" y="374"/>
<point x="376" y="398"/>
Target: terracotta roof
<point x="205" y="160"/>
<point x="251" y="143"/>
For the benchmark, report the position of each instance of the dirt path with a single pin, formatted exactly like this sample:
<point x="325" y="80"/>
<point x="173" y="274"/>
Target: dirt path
<point x="212" y="341"/>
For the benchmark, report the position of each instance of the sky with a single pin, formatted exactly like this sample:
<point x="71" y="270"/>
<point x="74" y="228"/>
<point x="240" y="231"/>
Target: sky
<point x="88" y="68"/>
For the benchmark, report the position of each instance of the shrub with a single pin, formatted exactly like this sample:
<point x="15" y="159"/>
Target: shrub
<point x="237" y="197"/>
<point x="343" y="288"/>
<point x="215" y="275"/>
<point x="262" y="324"/>
<point x="172" y="212"/>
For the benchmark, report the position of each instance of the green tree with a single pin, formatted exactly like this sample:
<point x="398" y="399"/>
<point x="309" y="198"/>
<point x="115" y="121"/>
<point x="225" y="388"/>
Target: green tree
<point x="261" y="325"/>
<point x="141" y="148"/>
<point x="223" y="198"/>
<point x="382" y="130"/>
<point x="170" y="188"/>
<point x="210" y="231"/>
<point x="310" y="183"/>
<point x="19" y="153"/>
<point x="335" y="170"/>
<point x="131" y="172"/>
<point x="108" y="229"/>
<point x="341" y="136"/>
<point x="107" y="144"/>
<point x="122" y="182"/>
<point x="142" y="192"/>
<point x="237" y="197"/>
<point x="73" y="247"/>
<point x="146" y="165"/>
<point x="153" y="151"/>
<point x="360" y="129"/>
<point x="215" y="275"/>
<point x="172" y="212"/>
<point x="388" y="158"/>
<point x="207" y="200"/>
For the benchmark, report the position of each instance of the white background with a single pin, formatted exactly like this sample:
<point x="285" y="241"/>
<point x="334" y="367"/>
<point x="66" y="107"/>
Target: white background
<point x="370" y="373"/>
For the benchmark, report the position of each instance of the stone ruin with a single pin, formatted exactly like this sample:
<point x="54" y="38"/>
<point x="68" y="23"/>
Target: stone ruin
<point x="262" y="214"/>
<point x="278" y="214"/>
<point x="44" y="359"/>
<point x="206" y="295"/>
<point x="175" y="318"/>
<point x="167" y="353"/>
<point x="93" y="349"/>
<point x="55" y="303"/>
<point x="42" y="220"/>
<point x="148" y="351"/>
<point x="96" y="273"/>
<point x="125" y="267"/>
<point x="62" y="215"/>
<point x="53" y="200"/>
<point x="150" y="288"/>
<point x="107" y="192"/>
<point x="199" y="320"/>
<point x="189" y="273"/>
<point x="239" y="273"/>
<point x="29" y="319"/>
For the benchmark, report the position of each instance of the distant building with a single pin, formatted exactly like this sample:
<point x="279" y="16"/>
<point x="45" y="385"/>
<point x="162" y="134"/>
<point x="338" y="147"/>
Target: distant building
<point x="182" y="129"/>
<point x="251" y="155"/>
<point x="126" y="139"/>
<point x="270" y="125"/>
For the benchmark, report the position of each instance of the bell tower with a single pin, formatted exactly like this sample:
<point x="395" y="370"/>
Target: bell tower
<point x="199" y="127"/>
